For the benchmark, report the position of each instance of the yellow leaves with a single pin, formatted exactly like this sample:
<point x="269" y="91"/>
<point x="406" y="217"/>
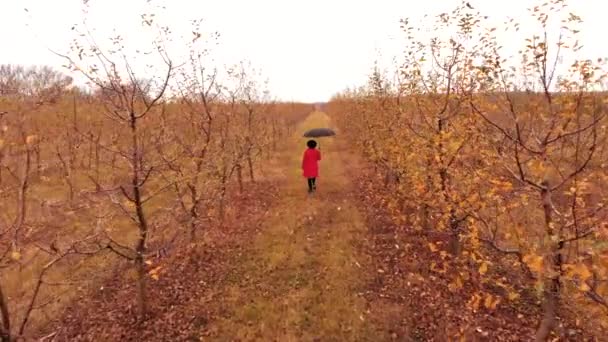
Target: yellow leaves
<point x="454" y="145"/>
<point x="512" y="295"/>
<point x="474" y="302"/>
<point x="441" y="270"/>
<point x="502" y="185"/>
<point x="584" y="287"/>
<point x="154" y="273"/>
<point x="534" y="262"/>
<point x="420" y="188"/>
<point x="128" y="204"/>
<point x="537" y="167"/>
<point x="15" y="255"/>
<point x="482" y="180"/>
<point x="582" y="187"/>
<point x="457" y="284"/>
<point x="581" y="273"/>
<point x="511" y="292"/>
<point x="490" y="302"/>
<point x="483" y="268"/>
<point x="519" y="230"/>
<point x="31" y="140"/>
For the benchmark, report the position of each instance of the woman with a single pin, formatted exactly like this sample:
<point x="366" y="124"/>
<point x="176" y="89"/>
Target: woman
<point x="310" y="164"/>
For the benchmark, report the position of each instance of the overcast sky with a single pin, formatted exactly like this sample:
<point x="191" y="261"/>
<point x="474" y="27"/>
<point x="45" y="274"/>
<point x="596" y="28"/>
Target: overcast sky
<point x="309" y="50"/>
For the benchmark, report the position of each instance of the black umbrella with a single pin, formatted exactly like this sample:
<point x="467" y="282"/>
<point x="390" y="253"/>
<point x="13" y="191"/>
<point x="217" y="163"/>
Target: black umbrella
<point x="319" y="132"/>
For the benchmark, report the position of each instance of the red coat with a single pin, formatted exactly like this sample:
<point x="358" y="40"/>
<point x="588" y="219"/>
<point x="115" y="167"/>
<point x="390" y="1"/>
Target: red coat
<point x="310" y="163"/>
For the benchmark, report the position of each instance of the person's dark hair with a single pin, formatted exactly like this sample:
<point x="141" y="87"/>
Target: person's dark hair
<point x="311" y="144"/>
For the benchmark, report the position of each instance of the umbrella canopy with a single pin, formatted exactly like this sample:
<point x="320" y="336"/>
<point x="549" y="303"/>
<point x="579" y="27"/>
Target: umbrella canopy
<point x="319" y="132"/>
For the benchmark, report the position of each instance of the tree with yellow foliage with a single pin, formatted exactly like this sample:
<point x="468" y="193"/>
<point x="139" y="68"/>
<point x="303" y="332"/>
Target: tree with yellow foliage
<point x="552" y="141"/>
<point x="495" y="153"/>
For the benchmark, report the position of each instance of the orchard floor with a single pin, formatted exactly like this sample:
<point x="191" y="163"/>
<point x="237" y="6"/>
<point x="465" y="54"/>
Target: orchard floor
<point x="303" y="277"/>
<point x="331" y="267"/>
<point x="289" y="266"/>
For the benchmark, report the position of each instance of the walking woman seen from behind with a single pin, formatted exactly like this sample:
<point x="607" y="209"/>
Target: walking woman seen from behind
<point x="310" y="165"/>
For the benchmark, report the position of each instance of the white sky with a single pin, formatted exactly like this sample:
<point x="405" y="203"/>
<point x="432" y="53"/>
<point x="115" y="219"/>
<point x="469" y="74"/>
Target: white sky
<point x="309" y="50"/>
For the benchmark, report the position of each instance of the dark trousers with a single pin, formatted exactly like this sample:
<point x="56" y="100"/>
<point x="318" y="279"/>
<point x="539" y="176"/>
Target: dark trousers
<point x="312" y="184"/>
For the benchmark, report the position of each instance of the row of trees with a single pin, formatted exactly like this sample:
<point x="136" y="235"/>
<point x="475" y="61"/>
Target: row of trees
<point x="497" y="155"/>
<point x="133" y="167"/>
<point x="40" y="82"/>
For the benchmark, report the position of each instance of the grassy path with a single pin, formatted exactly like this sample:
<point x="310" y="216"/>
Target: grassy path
<point x="301" y="278"/>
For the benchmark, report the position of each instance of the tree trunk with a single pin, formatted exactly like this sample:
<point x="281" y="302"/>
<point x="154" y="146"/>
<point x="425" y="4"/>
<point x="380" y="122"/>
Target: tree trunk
<point x="97" y="166"/>
<point x="140" y="262"/>
<point x="90" y="153"/>
<point x="38" y="164"/>
<point x="455" y="247"/>
<point x="33" y="299"/>
<point x="113" y="160"/>
<point x="141" y="284"/>
<point x="551" y="289"/>
<point x="387" y="178"/>
<point x="239" y="176"/>
<point x="453" y="225"/>
<point x="274" y="135"/>
<point x="250" y="163"/>
<point x="70" y="183"/>
<point x="222" y="198"/>
<point x="67" y="169"/>
<point x="193" y="222"/>
<point x="142" y="222"/>
<point x="425" y="224"/>
<point x="550" y="302"/>
<point x="22" y="200"/>
<point x="194" y="217"/>
<point x="1" y="159"/>
<point x="5" y="329"/>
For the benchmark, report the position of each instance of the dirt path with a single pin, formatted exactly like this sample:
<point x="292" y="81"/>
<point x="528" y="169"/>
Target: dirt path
<point x="302" y="278"/>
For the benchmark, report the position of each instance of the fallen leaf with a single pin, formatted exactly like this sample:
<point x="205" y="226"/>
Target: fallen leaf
<point x="483" y="268"/>
<point x="15" y="255"/>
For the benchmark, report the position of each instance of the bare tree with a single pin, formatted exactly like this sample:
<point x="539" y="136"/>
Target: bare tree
<point x="128" y="101"/>
<point x="40" y="82"/>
